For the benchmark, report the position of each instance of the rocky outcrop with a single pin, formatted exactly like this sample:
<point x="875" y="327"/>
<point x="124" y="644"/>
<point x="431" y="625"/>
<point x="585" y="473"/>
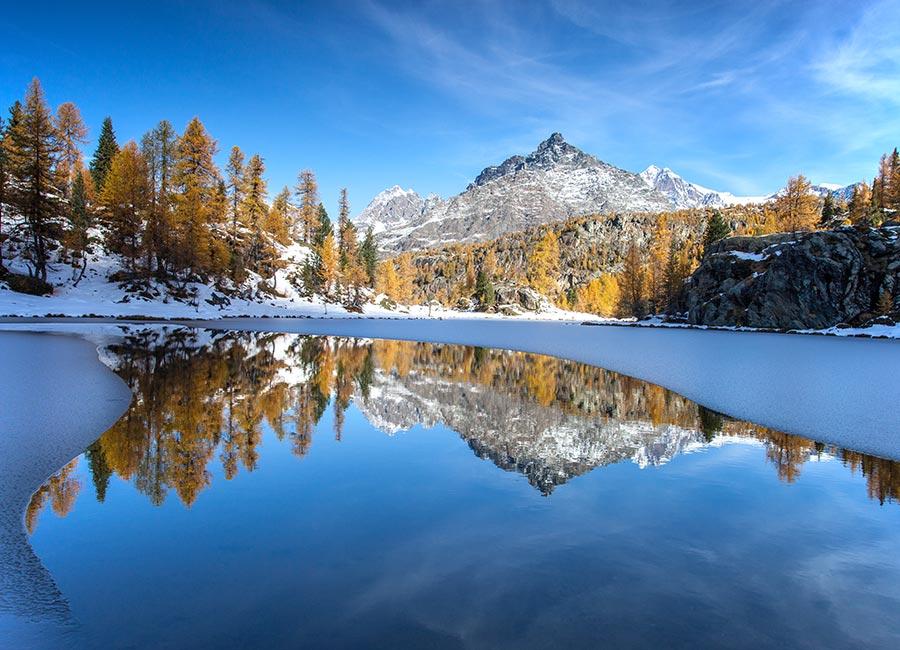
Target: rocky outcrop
<point x="809" y="280"/>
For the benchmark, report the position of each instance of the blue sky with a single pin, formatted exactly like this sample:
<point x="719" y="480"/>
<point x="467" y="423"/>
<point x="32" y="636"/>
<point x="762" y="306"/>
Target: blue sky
<point x="736" y="96"/>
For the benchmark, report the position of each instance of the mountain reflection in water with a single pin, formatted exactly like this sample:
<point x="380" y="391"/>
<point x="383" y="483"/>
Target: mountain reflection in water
<point x="200" y="396"/>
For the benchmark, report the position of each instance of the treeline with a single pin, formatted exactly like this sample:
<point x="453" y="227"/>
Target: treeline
<point x="195" y="405"/>
<point x="164" y="206"/>
<point x="633" y="264"/>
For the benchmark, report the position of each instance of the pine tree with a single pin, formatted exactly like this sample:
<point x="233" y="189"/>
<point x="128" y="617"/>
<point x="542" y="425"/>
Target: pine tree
<point x="484" y="289"/>
<point x="368" y="255"/>
<point x="829" y="211"/>
<point x="323" y="226"/>
<point x="4" y="181"/>
<point x="255" y="210"/>
<point x="107" y="148"/>
<point x="31" y="155"/>
<point x="71" y="134"/>
<point x="716" y="229"/>
<point x="892" y="195"/>
<point x="80" y="222"/>
<point x="308" y="195"/>
<point x="126" y="197"/>
<point x="346" y="232"/>
<point x="158" y="147"/>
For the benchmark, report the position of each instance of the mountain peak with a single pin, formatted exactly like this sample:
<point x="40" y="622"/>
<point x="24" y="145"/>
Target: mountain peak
<point x="552" y="152"/>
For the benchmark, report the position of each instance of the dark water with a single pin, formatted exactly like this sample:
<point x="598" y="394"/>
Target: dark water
<point x="253" y="498"/>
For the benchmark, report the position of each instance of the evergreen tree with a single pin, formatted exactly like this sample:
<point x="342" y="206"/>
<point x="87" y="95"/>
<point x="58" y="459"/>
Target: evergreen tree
<point x="158" y="147"/>
<point x="308" y="195"/>
<point x="368" y="254"/>
<point x="716" y="229"/>
<point x="323" y="226"/>
<point x="80" y="222"/>
<point x="236" y="185"/>
<point x="829" y="211"/>
<point x="346" y="232"/>
<point x="107" y="148"/>
<point x="31" y="155"/>
<point x="259" y="254"/>
<point x="4" y="174"/>
<point x="484" y="289"/>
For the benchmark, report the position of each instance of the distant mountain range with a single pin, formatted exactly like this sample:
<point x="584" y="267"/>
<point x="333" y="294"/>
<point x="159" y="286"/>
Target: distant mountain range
<point x="686" y="195"/>
<point x="554" y="182"/>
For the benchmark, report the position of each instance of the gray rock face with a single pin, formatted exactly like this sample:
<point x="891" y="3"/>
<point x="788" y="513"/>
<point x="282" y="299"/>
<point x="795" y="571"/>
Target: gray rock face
<point x="553" y="183"/>
<point x="794" y="280"/>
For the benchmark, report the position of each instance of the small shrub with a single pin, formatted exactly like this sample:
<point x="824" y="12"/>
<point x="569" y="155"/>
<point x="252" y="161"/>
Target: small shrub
<point x="29" y="284"/>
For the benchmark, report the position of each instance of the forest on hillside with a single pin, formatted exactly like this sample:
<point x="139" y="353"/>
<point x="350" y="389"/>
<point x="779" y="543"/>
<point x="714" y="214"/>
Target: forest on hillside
<point x="173" y="217"/>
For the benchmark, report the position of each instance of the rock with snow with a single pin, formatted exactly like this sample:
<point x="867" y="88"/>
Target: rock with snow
<point x="803" y="280"/>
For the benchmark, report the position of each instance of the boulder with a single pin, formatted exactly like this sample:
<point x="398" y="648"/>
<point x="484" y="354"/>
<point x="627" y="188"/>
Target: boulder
<point x="803" y="280"/>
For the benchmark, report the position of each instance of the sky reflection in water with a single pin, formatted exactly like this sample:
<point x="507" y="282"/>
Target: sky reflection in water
<point x="250" y="498"/>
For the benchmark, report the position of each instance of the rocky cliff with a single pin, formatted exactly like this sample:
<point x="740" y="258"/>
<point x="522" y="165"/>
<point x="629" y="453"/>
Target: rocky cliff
<point x="808" y="280"/>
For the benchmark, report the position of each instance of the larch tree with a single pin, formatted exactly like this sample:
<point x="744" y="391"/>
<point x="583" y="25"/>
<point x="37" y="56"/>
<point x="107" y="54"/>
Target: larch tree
<point x="406" y="276"/>
<point x="107" y="148"/>
<point x="126" y="198"/>
<point x="860" y="206"/>
<point x="543" y="264"/>
<point x="796" y="207"/>
<point x="307" y="192"/>
<point x="31" y="155"/>
<point x="71" y="133"/>
<point x="633" y="284"/>
<point x="386" y="280"/>
<point x="198" y="200"/>
<point x="329" y="264"/>
<point x="280" y="217"/>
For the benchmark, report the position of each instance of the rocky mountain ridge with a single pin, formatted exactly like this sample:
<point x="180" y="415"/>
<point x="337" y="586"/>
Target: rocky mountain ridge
<point x="686" y="195"/>
<point x="553" y="183"/>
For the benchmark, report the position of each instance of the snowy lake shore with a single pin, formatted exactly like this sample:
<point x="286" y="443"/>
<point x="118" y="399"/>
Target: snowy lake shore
<point x="56" y="398"/>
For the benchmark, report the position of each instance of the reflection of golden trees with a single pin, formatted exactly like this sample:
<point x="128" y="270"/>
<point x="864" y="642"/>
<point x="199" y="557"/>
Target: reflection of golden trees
<point x="192" y="402"/>
<point x="61" y="490"/>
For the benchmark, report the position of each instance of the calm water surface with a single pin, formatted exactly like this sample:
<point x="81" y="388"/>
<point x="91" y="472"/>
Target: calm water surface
<point x="279" y="491"/>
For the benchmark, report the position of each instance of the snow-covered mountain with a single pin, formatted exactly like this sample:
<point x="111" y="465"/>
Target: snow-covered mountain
<point x="686" y="195"/>
<point x="554" y="182"/>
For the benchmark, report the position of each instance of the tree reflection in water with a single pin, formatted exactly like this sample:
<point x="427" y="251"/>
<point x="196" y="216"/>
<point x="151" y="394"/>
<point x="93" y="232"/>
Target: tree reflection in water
<point x="200" y="395"/>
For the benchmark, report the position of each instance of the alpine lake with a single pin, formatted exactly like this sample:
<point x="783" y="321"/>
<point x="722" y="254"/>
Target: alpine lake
<point x="293" y="491"/>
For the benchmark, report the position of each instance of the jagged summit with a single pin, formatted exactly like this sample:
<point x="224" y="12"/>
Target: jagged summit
<point x="552" y="152"/>
<point x="554" y="182"/>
